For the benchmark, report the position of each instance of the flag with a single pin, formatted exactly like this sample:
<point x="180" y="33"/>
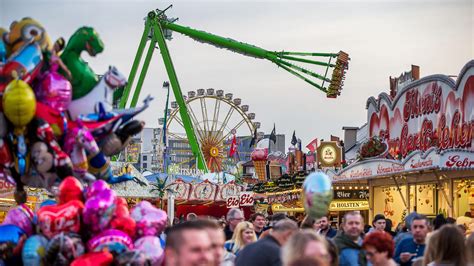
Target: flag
<point x="313" y="145"/>
<point x="233" y="147"/>
<point x="293" y="139"/>
<point x="273" y="136"/>
<point x="334" y="138"/>
<point x="254" y="138"/>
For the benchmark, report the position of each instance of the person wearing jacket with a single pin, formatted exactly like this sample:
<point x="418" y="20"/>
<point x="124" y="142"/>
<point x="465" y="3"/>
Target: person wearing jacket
<point x="349" y="242"/>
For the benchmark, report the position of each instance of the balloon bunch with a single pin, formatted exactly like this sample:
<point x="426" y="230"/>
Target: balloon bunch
<point x="87" y="226"/>
<point x="56" y="117"/>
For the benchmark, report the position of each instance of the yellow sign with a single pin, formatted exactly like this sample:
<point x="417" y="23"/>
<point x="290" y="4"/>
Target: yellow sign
<point x="329" y="154"/>
<point x="280" y="208"/>
<point x="349" y="205"/>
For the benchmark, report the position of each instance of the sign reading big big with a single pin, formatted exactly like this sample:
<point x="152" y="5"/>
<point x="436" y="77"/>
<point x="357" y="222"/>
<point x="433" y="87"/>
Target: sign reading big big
<point x="435" y="111"/>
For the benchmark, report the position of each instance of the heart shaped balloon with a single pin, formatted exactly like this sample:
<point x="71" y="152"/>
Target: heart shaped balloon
<point x="55" y="91"/>
<point x="317" y="194"/>
<point x="112" y="240"/>
<point x="22" y="217"/>
<point x="125" y="224"/>
<point x="99" y="209"/>
<point x="70" y="189"/>
<point x="34" y="250"/>
<point x="55" y="219"/>
<point x="63" y="248"/>
<point x="151" y="247"/>
<point x="101" y="258"/>
<point x="150" y="220"/>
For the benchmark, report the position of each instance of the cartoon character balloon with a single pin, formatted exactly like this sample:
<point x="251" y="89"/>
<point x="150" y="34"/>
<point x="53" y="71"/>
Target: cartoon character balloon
<point x="317" y="194"/>
<point x="25" y="31"/>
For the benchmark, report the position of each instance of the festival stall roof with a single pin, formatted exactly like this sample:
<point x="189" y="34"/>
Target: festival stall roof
<point x="188" y="179"/>
<point x="136" y="189"/>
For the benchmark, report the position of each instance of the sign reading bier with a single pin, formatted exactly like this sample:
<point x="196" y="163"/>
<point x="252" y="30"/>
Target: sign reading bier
<point x="431" y="112"/>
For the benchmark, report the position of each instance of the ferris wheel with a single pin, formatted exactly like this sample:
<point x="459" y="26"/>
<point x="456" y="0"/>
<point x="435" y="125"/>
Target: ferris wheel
<point x="216" y="117"/>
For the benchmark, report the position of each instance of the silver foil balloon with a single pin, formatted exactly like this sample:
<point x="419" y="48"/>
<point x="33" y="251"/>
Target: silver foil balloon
<point x="317" y="194"/>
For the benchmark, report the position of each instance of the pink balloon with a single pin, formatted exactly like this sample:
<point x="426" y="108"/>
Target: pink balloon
<point x="55" y="91"/>
<point x="98" y="210"/>
<point x="112" y="239"/>
<point x="97" y="187"/>
<point x="151" y="221"/>
<point x="151" y="247"/>
<point x="22" y="217"/>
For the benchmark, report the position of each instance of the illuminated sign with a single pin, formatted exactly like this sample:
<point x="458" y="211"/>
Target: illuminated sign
<point x="329" y="154"/>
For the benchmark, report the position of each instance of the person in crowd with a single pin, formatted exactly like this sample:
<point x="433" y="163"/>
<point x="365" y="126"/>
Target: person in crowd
<point x="234" y="217"/>
<point x="388" y="227"/>
<point x="445" y="247"/>
<point x="216" y="234"/>
<point x="325" y="228"/>
<point x="367" y="228"/>
<point x="438" y="221"/>
<point x="310" y="223"/>
<point x="258" y="220"/>
<point x="406" y="233"/>
<point x="307" y="261"/>
<point x="188" y="244"/>
<point x="333" y="253"/>
<point x="378" y="248"/>
<point x="349" y="242"/>
<point x="379" y="223"/>
<point x="470" y="249"/>
<point x="274" y="219"/>
<point x="412" y="247"/>
<point x="466" y="219"/>
<point x="266" y="251"/>
<point x="244" y="234"/>
<point x="305" y="244"/>
<point x="450" y="220"/>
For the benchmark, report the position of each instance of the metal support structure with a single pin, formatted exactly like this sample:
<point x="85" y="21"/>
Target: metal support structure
<point x="400" y="192"/>
<point x="440" y="184"/>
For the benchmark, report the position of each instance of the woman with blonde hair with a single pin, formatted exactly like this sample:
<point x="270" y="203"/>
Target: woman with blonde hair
<point x="244" y="234"/>
<point x="445" y="247"/>
<point x="306" y="244"/>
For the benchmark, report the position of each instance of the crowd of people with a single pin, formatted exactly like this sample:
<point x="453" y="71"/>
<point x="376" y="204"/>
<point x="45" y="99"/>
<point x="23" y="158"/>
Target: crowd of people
<point x="280" y="240"/>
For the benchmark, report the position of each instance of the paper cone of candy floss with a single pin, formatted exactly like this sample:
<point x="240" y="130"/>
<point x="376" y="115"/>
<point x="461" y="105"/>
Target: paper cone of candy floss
<point x="259" y="158"/>
<point x="317" y="194"/>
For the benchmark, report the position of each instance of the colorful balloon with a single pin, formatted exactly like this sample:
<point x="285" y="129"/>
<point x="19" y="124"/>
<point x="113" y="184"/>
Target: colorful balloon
<point x="22" y="217"/>
<point x="150" y="220"/>
<point x="151" y="247"/>
<point x="34" y="250"/>
<point x="98" y="210"/>
<point x="11" y="240"/>
<point x="113" y="240"/>
<point x="121" y="219"/>
<point x="70" y="189"/>
<point x="102" y="258"/>
<point x="317" y="194"/>
<point x="132" y="257"/>
<point x="55" y="91"/>
<point x="64" y="248"/>
<point x="97" y="187"/>
<point x="55" y="219"/>
<point x="19" y="103"/>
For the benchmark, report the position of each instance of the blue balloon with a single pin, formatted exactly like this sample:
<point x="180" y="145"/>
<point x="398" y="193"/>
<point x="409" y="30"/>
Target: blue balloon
<point x="34" y="250"/>
<point x="10" y="234"/>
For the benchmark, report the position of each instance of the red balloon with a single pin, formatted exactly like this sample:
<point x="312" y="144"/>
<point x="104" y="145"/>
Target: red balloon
<point x="125" y="224"/>
<point x="102" y="258"/>
<point x="55" y="219"/>
<point x="70" y="189"/>
<point x="122" y="207"/>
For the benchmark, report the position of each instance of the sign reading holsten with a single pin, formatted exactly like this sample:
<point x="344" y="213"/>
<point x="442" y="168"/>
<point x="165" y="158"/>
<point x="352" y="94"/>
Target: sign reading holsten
<point x="350" y="205"/>
<point x="329" y="154"/>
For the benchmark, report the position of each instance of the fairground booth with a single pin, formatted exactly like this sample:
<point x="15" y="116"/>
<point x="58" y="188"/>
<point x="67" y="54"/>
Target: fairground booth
<point x="419" y="154"/>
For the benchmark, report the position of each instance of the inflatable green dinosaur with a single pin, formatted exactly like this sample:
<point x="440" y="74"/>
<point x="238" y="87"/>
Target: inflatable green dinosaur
<point x="83" y="77"/>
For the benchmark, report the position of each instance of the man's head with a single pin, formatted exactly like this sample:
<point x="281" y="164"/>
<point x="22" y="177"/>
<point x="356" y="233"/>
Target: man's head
<point x="234" y="217"/>
<point x="258" y="221"/>
<point x="468" y="214"/>
<point x="217" y="236"/>
<point x="283" y="230"/>
<point x="419" y="228"/>
<point x="188" y="243"/>
<point x="353" y="225"/>
<point x="324" y="223"/>
<point x="379" y="222"/>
